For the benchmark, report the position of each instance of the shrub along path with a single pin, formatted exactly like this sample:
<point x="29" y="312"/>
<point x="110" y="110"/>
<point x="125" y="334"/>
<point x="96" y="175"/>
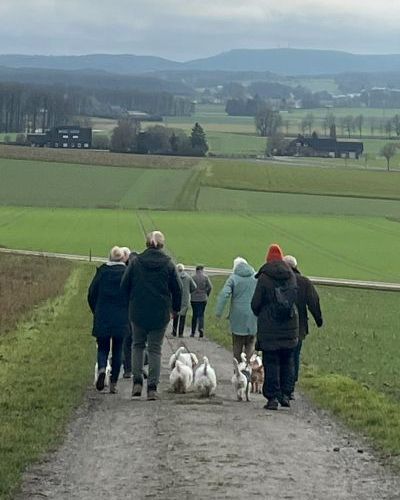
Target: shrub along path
<point x="184" y="447"/>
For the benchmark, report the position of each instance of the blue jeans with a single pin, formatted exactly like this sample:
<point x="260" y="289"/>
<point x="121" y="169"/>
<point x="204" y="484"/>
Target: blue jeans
<point x="198" y="316"/>
<point x="103" y="350"/>
<point x="154" y="340"/>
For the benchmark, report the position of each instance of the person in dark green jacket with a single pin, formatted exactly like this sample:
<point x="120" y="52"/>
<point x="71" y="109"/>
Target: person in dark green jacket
<point x="154" y="290"/>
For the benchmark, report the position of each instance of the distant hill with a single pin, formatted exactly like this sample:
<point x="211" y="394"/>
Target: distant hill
<point x="118" y="63"/>
<point x="280" y="61"/>
<point x="94" y="79"/>
<point x="296" y="61"/>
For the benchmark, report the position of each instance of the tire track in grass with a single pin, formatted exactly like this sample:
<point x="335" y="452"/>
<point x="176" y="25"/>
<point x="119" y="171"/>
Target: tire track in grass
<point x="319" y="248"/>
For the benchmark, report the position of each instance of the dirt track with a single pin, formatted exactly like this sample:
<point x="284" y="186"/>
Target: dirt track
<point x="182" y="447"/>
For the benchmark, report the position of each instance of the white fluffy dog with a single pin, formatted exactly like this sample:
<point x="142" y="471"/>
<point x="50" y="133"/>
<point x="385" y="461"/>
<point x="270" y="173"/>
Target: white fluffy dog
<point x="205" y="380"/>
<point x="181" y="377"/>
<point x="241" y="380"/>
<point x="187" y="358"/>
<point x="108" y="374"/>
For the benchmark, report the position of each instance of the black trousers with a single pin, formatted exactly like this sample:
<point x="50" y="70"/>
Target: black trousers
<point x="198" y="316"/>
<point x="178" y="324"/>
<point x="279" y="373"/>
<point x="103" y="350"/>
<point x="127" y="352"/>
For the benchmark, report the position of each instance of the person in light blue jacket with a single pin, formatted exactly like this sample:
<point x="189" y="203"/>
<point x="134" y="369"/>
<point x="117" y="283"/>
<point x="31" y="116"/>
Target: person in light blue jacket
<point x="239" y="289"/>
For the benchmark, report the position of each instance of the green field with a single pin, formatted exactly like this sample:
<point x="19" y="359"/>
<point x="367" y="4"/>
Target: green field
<point x="347" y="247"/>
<point x="36" y="183"/>
<point x="58" y="184"/>
<point x="300" y="178"/>
<point x="222" y="199"/>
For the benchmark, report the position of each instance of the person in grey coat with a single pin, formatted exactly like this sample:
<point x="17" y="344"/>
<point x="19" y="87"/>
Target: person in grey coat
<point x="188" y="287"/>
<point x="239" y="289"/>
<point x="199" y="299"/>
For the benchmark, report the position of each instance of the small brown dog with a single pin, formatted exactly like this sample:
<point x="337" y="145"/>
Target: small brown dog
<point x="257" y="374"/>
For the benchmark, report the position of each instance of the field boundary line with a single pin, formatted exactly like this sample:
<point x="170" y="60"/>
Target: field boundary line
<point x="216" y="271"/>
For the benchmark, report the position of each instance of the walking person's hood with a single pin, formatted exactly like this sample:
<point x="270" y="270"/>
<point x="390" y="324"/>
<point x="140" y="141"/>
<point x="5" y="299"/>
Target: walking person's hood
<point x="153" y="259"/>
<point x="243" y="269"/>
<point x="277" y="270"/>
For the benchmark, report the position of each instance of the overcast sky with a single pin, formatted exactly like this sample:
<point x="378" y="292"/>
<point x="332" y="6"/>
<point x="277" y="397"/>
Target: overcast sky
<point x="186" y="29"/>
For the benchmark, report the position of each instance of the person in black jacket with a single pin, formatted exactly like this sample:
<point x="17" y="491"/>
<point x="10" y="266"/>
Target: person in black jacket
<point x="273" y="303"/>
<point x="154" y="290"/>
<point x="109" y="306"/>
<point x="307" y="299"/>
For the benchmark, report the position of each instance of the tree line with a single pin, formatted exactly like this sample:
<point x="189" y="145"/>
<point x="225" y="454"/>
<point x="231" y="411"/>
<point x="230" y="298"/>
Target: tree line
<point x="26" y="108"/>
<point x="128" y="138"/>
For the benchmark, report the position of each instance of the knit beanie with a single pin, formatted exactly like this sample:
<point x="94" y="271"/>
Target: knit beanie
<point x="274" y="253"/>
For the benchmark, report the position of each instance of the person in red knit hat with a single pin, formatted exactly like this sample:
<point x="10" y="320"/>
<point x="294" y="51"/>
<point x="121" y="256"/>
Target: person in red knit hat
<point x="274" y="304"/>
<point x="274" y="253"/>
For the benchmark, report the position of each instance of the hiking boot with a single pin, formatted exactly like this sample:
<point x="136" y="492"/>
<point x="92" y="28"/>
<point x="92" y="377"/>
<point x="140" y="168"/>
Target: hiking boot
<point x="272" y="404"/>
<point x="101" y="380"/>
<point x="152" y="395"/>
<point x="173" y="334"/>
<point x="113" y="388"/>
<point x="137" y="390"/>
<point x="285" y="401"/>
<point x="127" y="375"/>
<point x="201" y="334"/>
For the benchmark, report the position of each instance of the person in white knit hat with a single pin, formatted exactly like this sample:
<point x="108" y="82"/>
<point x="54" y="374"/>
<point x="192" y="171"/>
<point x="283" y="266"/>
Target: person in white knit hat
<point x="307" y="300"/>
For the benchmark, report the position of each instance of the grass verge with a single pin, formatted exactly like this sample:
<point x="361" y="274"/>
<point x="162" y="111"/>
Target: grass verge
<point x="45" y="368"/>
<point x="351" y="366"/>
<point x="25" y="282"/>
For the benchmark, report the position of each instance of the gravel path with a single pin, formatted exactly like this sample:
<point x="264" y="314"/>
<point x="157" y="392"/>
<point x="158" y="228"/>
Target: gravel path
<point x="182" y="447"/>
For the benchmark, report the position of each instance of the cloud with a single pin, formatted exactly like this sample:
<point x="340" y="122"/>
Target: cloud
<point x="185" y="29"/>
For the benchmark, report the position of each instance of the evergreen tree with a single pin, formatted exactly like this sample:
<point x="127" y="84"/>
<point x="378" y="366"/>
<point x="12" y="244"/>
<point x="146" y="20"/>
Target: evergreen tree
<point x="198" y="140"/>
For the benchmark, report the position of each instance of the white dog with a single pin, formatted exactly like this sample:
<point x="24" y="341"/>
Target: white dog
<point x="241" y="380"/>
<point x="108" y="374"/>
<point x="205" y="380"/>
<point x="187" y="358"/>
<point x="181" y="377"/>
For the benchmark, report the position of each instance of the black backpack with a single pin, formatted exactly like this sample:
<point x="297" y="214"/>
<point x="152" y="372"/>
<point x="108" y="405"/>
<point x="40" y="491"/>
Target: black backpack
<point x="283" y="305"/>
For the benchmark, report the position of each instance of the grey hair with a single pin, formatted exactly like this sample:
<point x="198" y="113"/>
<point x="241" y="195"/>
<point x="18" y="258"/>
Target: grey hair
<point x="155" y="239"/>
<point x="116" y="254"/>
<point x="180" y="267"/>
<point x="292" y="261"/>
<point x="126" y="251"/>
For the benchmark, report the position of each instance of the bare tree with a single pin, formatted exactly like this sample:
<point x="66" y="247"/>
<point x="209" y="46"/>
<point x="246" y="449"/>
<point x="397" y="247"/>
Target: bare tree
<point x="388" y="151"/>
<point x="358" y="123"/>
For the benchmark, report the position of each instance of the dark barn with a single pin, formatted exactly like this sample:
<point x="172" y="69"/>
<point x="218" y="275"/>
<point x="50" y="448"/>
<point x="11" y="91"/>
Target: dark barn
<point x="325" y="147"/>
<point x="67" y="136"/>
